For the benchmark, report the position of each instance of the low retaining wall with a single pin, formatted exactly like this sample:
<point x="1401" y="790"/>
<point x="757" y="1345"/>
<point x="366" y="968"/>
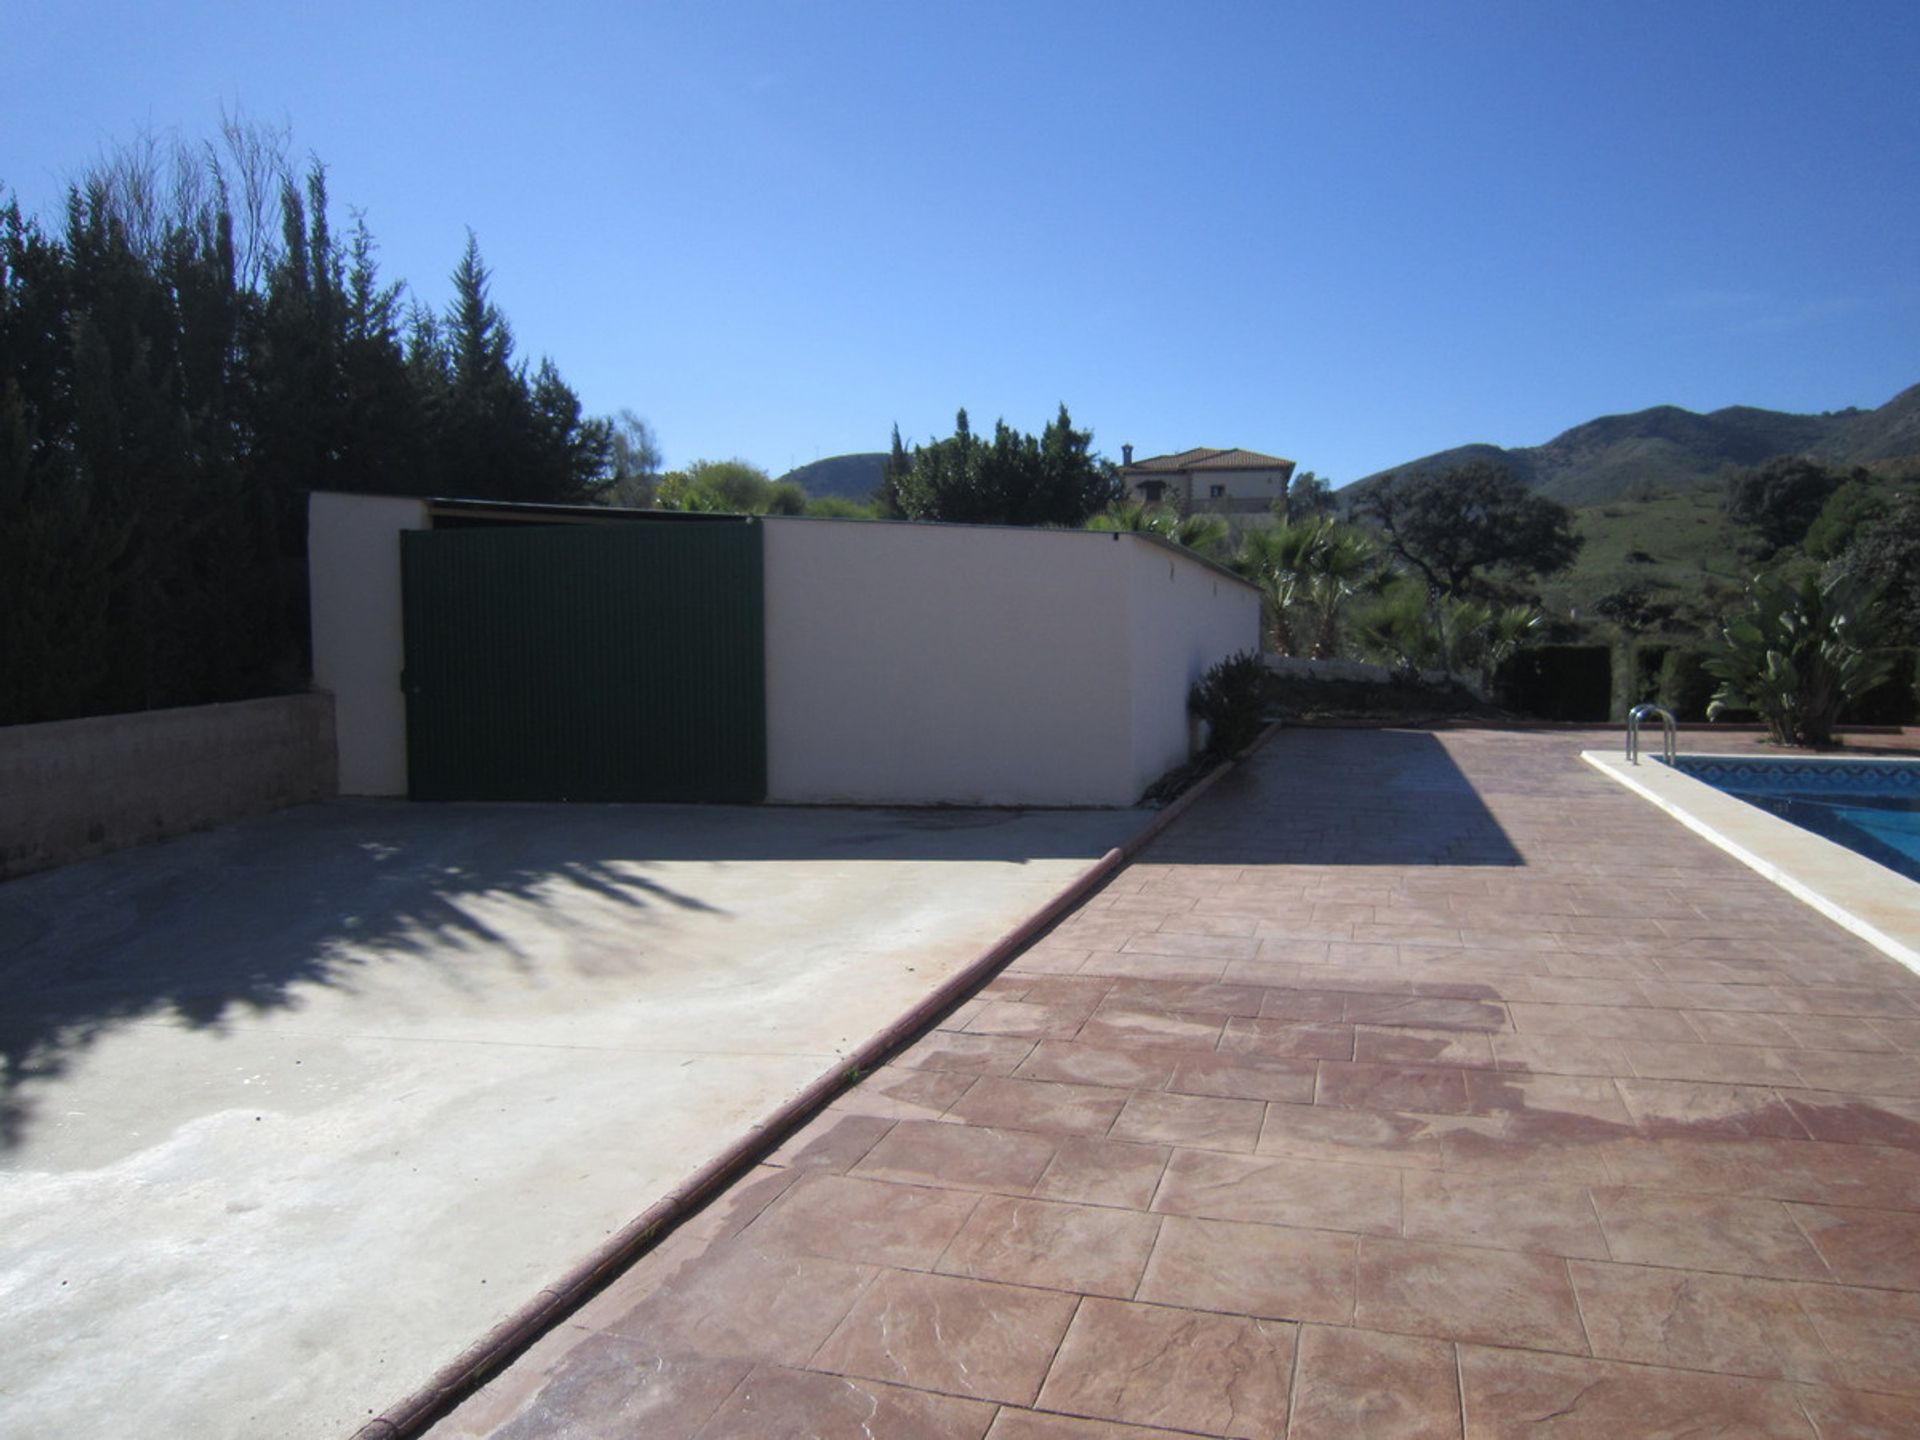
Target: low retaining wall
<point x="1294" y="667"/>
<point x="75" y="788"/>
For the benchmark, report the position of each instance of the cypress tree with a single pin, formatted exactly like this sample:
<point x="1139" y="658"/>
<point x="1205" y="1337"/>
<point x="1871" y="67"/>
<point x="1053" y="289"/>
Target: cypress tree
<point x="176" y="375"/>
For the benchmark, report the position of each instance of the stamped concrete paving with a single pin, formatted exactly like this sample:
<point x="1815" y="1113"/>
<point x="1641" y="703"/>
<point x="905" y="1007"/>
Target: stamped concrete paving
<point x="1413" y="1085"/>
<point x="296" y="1110"/>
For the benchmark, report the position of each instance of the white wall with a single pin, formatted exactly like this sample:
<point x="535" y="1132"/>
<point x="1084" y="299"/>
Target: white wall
<point x="353" y="573"/>
<point x="980" y="665"/>
<point x="1183" y="616"/>
<point x="946" y="664"/>
<point x="906" y="664"/>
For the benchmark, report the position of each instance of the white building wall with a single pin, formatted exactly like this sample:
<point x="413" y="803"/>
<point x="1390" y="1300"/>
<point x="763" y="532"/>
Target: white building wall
<point x="1241" y="484"/>
<point x="947" y="664"/>
<point x="353" y="571"/>
<point x="906" y="664"/>
<point x="1183" y="616"/>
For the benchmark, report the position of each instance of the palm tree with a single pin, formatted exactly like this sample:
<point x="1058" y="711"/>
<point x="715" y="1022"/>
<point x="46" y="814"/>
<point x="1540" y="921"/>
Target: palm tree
<point x="1308" y="572"/>
<point x="1132" y="517"/>
<point x="1204" y="534"/>
<point x="1275" y="558"/>
<point x="1401" y="628"/>
<point x="1339" y="566"/>
<point x="1511" y="629"/>
<point x="1420" y="630"/>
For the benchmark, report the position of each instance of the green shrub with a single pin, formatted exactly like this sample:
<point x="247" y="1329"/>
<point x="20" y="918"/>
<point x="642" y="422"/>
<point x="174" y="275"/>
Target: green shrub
<point x="1411" y="630"/>
<point x="1232" y="698"/>
<point x="1799" y="655"/>
<point x="1896" y="700"/>
<point x="1558" y="682"/>
<point x="1636" y="675"/>
<point x="1685" y="687"/>
<point x="839" y="507"/>
<point x="1398" y="629"/>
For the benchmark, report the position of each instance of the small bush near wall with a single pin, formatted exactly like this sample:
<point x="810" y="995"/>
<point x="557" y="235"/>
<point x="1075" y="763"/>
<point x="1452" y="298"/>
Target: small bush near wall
<point x="1232" y="698"/>
<point x="1558" y="682"/>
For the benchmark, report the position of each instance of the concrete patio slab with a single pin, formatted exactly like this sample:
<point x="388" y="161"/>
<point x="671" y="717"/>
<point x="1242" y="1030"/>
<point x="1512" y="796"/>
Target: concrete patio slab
<point x="1605" y="1136"/>
<point x="296" y="1110"/>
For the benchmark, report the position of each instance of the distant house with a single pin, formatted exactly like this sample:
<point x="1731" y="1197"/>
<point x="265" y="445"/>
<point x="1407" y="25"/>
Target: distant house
<point x="1204" y="481"/>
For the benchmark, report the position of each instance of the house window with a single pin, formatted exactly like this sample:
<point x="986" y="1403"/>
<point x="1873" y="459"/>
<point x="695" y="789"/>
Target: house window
<point x="1216" y="492"/>
<point x="1153" y="490"/>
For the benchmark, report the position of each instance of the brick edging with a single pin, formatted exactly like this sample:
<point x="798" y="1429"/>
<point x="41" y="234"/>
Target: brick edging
<point x="506" y="1341"/>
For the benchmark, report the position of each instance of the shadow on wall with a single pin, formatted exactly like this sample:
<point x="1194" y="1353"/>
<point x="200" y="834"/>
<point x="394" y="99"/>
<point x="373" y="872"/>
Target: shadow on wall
<point x="1342" y="797"/>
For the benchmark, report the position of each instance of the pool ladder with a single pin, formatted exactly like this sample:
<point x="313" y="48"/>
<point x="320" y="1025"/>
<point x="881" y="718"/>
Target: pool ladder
<point x="1634" y="717"/>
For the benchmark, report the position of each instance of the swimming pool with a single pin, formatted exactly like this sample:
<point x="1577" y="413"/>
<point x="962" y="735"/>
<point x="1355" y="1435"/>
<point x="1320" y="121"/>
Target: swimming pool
<point x="1870" y="806"/>
<point x="1866" y="896"/>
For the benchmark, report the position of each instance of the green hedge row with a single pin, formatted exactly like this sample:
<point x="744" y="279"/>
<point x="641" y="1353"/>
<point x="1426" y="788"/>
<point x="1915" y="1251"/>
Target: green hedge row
<point x="1596" y="683"/>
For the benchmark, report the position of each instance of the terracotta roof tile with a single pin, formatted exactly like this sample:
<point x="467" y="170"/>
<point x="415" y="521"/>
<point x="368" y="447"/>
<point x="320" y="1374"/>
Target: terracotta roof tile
<point x="1203" y="458"/>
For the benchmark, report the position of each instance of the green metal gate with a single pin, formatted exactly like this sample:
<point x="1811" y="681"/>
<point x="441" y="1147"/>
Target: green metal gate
<point x="623" y="661"/>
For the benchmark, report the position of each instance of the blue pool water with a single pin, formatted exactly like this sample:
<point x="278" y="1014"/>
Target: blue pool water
<point x="1870" y="806"/>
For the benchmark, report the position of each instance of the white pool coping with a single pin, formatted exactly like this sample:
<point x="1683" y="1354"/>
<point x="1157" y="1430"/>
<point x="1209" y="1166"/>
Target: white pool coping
<point x="1873" y="902"/>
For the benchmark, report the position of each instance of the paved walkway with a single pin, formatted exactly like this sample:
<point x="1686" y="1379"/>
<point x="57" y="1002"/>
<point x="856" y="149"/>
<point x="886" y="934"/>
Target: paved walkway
<point x="294" y="1111"/>
<point x="1413" y="1085"/>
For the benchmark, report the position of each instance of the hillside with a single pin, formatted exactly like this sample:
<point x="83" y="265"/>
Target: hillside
<point x="1890" y="433"/>
<point x="1675" y="548"/>
<point x="1670" y="450"/>
<point x="855" y="477"/>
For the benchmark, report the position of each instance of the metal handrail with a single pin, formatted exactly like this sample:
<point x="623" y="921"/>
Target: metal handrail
<point x="1634" y="716"/>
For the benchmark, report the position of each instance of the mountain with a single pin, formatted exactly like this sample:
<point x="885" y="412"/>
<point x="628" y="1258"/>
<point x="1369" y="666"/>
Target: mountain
<point x="1674" y="450"/>
<point x="854" y="476"/>
<point x="1891" y="433"/>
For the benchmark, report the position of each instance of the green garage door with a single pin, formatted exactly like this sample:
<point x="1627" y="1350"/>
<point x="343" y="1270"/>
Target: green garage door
<point x="586" y="662"/>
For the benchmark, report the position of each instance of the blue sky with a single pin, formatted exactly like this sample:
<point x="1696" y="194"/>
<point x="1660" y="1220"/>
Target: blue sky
<point x="1350" y="234"/>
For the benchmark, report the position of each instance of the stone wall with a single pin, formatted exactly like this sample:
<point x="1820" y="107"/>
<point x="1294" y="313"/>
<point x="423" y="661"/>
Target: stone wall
<point x="75" y="788"/>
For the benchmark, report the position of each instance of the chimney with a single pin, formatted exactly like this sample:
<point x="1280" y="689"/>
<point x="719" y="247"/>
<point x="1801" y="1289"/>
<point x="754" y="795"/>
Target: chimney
<point x="1126" y="454"/>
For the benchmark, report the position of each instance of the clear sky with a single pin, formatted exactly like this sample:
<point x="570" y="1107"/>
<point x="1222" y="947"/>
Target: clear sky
<point x="1350" y="234"/>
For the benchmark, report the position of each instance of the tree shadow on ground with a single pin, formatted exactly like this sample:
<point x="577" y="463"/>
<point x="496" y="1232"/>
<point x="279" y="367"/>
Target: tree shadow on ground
<point x="200" y="931"/>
